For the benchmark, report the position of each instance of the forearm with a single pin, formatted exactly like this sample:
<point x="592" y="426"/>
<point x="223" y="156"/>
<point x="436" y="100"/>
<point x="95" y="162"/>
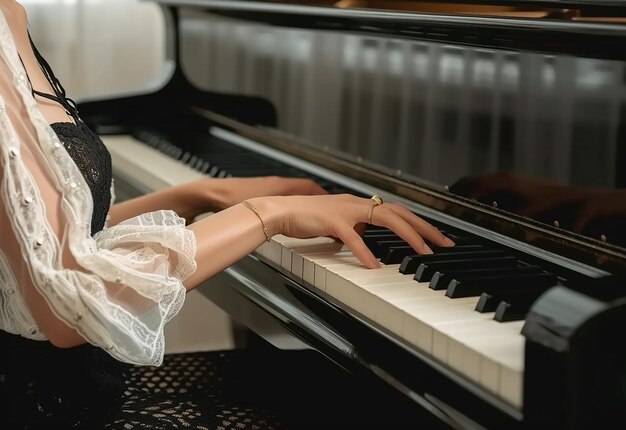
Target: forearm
<point x="211" y="195"/>
<point x="227" y="236"/>
<point x="187" y="200"/>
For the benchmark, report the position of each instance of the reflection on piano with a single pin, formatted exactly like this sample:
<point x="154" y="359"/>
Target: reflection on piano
<point x="519" y="325"/>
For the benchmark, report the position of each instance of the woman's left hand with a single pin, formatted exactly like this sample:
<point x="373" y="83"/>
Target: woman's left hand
<point x="227" y="192"/>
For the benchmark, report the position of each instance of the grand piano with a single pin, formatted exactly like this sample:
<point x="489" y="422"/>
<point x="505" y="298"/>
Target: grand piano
<point x="501" y="122"/>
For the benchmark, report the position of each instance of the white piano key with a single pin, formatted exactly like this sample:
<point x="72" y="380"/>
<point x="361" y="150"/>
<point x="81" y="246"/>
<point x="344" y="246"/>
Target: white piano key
<point x="386" y="279"/>
<point x="499" y="350"/>
<point x="463" y="315"/>
<point x="421" y="316"/>
<point x="322" y="265"/>
<point x="302" y="245"/>
<point x="366" y="273"/>
<point x="274" y="249"/>
<point x="264" y="249"/>
<point x="149" y="167"/>
<point x="279" y="243"/>
<point x="310" y="261"/>
<point x="298" y="254"/>
<point x="488" y="352"/>
<point x="370" y="303"/>
<point x="385" y="298"/>
<point x="392" y="299"/>
<point x="512" y="377"/>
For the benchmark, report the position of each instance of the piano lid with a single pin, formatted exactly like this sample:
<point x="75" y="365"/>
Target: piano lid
<point x="515" y="110"/>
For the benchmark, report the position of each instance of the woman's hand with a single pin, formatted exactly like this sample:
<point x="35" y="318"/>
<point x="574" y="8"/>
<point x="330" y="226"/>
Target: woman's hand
<point x="343" y="217"/>
<point x="227" y="192"/>
<point x="191" y="199"/>
<point x="228" y="235"/>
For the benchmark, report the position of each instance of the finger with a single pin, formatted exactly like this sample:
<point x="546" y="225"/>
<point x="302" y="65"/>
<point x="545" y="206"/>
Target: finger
<point x="424" y="228"/>
<point x="355" y="243"/>
<point x="318" y="189"/>
<point x="360" y="228"/>
<point x="309" y="187"/>
<point x="385" y="216"/>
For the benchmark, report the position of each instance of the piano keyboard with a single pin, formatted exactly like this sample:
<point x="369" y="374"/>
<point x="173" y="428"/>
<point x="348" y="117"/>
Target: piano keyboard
<point x="476" y="333"/>
<point x="484" y="350"/>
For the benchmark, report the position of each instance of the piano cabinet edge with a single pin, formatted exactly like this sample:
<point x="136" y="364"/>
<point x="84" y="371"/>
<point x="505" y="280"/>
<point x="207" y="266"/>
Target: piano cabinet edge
<point x="575" y="362"/>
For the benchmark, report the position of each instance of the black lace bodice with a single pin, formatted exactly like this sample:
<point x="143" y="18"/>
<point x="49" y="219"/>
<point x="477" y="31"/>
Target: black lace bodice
<point x="93" y="161"/>
<point x="82" y="144"/>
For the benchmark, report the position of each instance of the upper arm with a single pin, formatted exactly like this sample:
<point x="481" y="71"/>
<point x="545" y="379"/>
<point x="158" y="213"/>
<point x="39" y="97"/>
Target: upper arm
<point x="116" y="289"/>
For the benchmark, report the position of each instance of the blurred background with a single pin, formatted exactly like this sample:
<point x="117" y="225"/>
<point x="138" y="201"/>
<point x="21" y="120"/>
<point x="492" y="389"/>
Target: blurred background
<point x="99" y="47"/>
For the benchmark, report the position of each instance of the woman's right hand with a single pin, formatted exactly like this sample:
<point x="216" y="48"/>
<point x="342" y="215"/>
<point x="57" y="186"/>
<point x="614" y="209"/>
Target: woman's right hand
<point x="343" y="217"/>
<point x="226" y="236"/>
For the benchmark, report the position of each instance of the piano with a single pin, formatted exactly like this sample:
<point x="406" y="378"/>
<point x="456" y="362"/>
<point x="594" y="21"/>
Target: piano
<point x="503" y="123"/>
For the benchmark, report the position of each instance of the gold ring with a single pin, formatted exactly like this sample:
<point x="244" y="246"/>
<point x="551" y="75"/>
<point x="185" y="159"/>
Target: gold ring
<point x="377" y="201"/>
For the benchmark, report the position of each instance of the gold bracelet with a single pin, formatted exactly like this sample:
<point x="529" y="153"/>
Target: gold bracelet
<point x="253" y="209"/>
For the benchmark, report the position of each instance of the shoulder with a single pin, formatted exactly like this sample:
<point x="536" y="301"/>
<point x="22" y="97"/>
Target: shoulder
<point x="14" y="13"/>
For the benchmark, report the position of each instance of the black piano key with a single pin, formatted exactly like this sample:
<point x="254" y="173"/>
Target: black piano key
<point x="380" y="247"/>
<point x="205" y="166"/>
<point x="370" y="240"/>
<point x="425" y="271"/>
<point x="441" y="280"/>
<point x="514" y="310"/>
<point x="505" y="283"/>
<point x="488" y="302"/>
<point x="410" y="264"/>
<point x="463" y="240"/>
<point x="376" y="232"/>
<point x="507" y="312"/>
<point x="396" y="254"/>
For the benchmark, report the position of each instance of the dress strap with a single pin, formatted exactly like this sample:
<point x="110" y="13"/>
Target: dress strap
<point x="59" y="95"/>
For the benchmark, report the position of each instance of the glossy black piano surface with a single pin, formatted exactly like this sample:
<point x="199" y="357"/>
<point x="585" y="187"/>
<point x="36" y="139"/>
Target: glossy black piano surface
<point x="503" y="122"/>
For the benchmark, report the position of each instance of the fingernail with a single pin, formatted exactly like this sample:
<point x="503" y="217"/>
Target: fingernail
<point x="375" y="262"/>
<point x="427" y="250"/>
<point x="449" y="241"/>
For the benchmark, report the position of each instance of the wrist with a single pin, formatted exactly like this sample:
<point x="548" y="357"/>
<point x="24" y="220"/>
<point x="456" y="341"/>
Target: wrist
<point x="270" y="211"/>
<point x="211" y="194"/>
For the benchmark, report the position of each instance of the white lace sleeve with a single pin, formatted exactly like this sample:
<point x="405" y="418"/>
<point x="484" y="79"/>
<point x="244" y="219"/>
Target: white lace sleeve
<point x="118" y="288"/>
